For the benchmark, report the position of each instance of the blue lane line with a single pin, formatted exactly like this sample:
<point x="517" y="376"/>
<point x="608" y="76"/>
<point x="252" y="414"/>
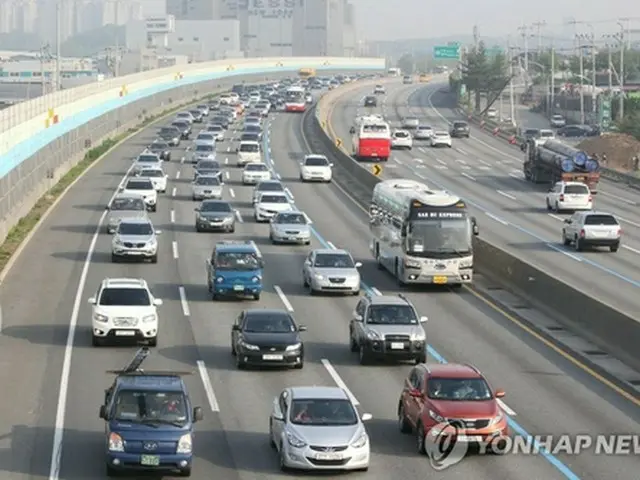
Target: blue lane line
<point x="515" y="426"/>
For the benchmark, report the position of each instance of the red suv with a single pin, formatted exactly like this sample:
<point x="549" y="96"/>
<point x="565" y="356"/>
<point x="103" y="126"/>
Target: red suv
<point x="451" y="394"/>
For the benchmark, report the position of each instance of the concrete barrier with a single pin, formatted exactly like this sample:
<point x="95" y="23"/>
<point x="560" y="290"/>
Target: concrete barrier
<point x="41" y="139"/>
<point x="603" y="325"/>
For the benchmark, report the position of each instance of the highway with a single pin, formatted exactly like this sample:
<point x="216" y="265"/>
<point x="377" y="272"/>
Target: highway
<point x="487" y="172"/>
<point x="45" y="293"/>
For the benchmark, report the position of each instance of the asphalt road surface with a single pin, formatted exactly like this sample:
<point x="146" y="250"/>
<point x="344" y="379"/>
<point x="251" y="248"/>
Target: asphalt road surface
<point x="46" y="292"/>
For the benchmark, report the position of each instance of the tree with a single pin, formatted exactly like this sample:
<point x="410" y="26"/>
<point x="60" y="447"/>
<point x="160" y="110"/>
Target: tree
<point x="94" y="41"/>
<point x="406" y="63"/>
<point x="20" y="41"/>
<point x="483" y="74"/>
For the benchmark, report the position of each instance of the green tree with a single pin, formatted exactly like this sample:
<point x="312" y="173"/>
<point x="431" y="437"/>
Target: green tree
<point x="20" y="41"/>
<point x="631" y="125"/>
<point x="406" y="63"/>
<point x="92" y="42"/>
<point x="483" y="74"/>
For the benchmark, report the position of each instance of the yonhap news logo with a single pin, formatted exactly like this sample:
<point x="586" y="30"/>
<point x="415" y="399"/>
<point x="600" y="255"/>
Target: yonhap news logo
<point x="444" y="446"/>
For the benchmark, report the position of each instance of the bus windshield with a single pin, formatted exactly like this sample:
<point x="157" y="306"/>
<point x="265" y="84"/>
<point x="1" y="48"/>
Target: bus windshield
<point x="374" y="128"/>
<point x="439" y="236"/>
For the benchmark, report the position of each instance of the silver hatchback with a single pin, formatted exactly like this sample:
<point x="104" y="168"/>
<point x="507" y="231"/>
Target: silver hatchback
<point x="331" y="271"/>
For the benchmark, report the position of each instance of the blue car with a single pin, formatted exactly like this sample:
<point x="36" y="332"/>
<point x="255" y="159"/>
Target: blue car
<point x="148" y="421"/>
<point x="235" y="270"/>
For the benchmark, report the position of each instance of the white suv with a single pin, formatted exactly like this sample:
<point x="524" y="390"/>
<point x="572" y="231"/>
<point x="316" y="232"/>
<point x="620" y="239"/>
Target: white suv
<point x="569" y="196"/>
<point x="124" y="309"/>
<point x="592" y="229"/>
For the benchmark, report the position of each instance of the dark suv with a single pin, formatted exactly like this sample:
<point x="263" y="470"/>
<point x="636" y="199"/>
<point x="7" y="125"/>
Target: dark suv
<point x="370" y="101"/>
<point x="460" y="130"/>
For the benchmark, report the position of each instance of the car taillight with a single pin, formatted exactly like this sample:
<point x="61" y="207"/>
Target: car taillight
<point x="591" y="198"/>
<point x="582" y="233"/>
<point x="561" y="197"/>
<point x="619" y="231"/>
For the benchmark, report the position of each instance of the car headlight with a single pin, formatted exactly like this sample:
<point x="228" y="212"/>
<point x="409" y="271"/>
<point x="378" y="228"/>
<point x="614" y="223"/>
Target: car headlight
<point x="148" y="318"/>
<point x="100" y="318"/>
<point x="373" y="335"/>
<point x="361" y="441"/>
<point x="227" y="220"/>
<point x="412" y="264"/>
<point x="319" y="277"/>
<point x="466" y="263"/>
<point x="418" y="337"/>
<point x="436" y="417"/>
<point x="185" y="444"/>
<point x="219" y="280"/>
<point x="295" y="441"/>
<point x="497" y="419"/>
<point x="248" y="346"/>
<point x="115" y="443"/>
<point x="117" y="242"/>
<point x="152" y="243"/>
<point x="291" y="348"/>
<point x="256" y="279"/>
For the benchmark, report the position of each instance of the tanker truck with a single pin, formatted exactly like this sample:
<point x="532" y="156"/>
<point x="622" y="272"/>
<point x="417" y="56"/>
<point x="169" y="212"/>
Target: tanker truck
<point x="554" y="161"/>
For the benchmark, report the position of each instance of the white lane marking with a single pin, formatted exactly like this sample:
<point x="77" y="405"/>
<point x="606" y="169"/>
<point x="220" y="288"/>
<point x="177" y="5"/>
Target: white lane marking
<point x="183" y="301"/>
<point x="465" y="174"/>
<point x="564" y="252"/>
<point x="239" y="217"/>
<point x="61" y="409"/>
<point x="497" y="219"/>
<point x="617" y="197"/>
<point x="465" y="167"/>
<point x="173" y="216"/>
<point x="287" y="191"/>
<point x="462" y="162"/>
<point x="174" y="248"/>
<point x="232" y="193"/>
<point x="177" y="174"/>
<point x="226" y="175"/>
<point x="278" y="176"/>
<point x="208" y="388"/>
<point x="174" y="191"/>
<point x="442" y="167"/>
<point x="505" y="194"/>
<point x="283" y="298"/>
<point x="486" y="164"/>
<point x="631" y="249"/>
<point x="182" y="160"/>
<point x="516" y="176"/>
<point x="228" y="149"/>
<point x="419" y="160"/>
<point x="338" y="381"/>
<point x="441" y="162"/>
<point x="556" y="217"/>
<point x="258" y="252"/>
<point x="625" y="220"/>
<point x="226" y="161"/>
<point x="506" y="408"/>
<point x="462" y="151"/>
<point x="396" y="160"/>
<point x="331" y="246"/>
<point x="376" y="291"/>
<point x="419" y="175"/>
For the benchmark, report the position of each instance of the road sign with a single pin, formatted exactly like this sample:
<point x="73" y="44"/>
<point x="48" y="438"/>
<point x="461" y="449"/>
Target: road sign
<point x="338" y="142"/>
<point x="444" y="52"/>
<point x="376" y="169"/>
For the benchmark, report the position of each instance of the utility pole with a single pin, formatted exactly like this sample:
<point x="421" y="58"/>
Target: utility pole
<point x="476" y="36"/>
<point x="581" y="79"/>
<point x="539" y="26"/>
<point x="116" y="62"/>
<point x="593" y="79"/>
<point x="610" y="67"/>
<point x="56" y="83"/>
<point x="45" y="58"/>
<point x="525" y="33"/>
<point x="552" y="82"/>
<point x="512" y="104"/>
<point x="622" y="95"/>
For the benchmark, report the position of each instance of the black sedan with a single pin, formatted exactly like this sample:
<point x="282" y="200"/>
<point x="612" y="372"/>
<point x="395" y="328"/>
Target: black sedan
<point x="264" y="337"/>
<point x="370" y="101"/>
<point x="161" y="148"/>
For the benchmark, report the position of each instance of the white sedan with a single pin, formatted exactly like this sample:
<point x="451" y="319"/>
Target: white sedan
<point x="423" y="132"/>
<point x="255" y="173"/>
<point x="441" y="139"/>
<point x="269" y="204"/>
<point x="157" y="177"/>
<point x="401" y="139"/>
<point x="316" y="168"/>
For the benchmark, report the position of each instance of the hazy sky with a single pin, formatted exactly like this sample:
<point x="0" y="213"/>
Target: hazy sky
<point x="396" y="19"/>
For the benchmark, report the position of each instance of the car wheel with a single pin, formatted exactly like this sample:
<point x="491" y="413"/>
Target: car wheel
<point x="548" y="205"/>
<point x="185" y="472"/>
<point x="614" y="248"/>
<point x="154" y="208"/>
<point x="403" y="424"/>
<point x="115" y="259"/>
<point x="111" y="472"/>
<point x="578" y="245"/>
<point x="153" y="342"/>
<point x="96" y="341"/>
<point x="154" y="259"/>
<point x="422" y="358"/>
<point x="353" y="345"/>
<point x="363" y="356"/>
<point x="198" y="229"/>
<point x="272" y="443"/>
<point x="256" y="296"/>
<point x="557" y="208"/>
<point x="299" y="366"/>
<point x="565" y="240"/>
<point x="232" y="229"/>
<point x="240" y="365"/>
<point x="420" y="439"/>
<point x="283" y="464"/>
<point x="304" y="282"/>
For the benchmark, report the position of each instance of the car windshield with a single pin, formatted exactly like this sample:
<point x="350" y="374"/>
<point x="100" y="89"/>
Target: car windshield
<point x="168" y="131"/>
<point x="558" y="117"/>
<point x="269" y="323"/>
<point x="333" y="260"/>
<point x="460" y="125"/>
<point x="273" y="199"/>
<point x="180" y="125"/>
<point x="576" y="189"/>
<point x="147" y="158"/>
<point x="204" y="148"/>
<point x="215" y="207"/>
<point x="208" y="165"/>
<point x="184" y="115"/>
<point x="458" y="389"/>
<point x="439" y="236"/>
<point x="145" y="406"/>
<point x="392" y="315"/>
<point x="249" y="148"/>
<point x="195" y="113"/>
<point x="209" y="181"/>
<point x="291" y="219"/>
<point x="442" y="134"/>
<point x="252" y="128"/>
<point x="128" y="204"/>
<point x="411" y="119"/>
<point x="325" y="412"/>
<point x="600" y="220"/>
<point x="152" y="173"/>
<point x="139" y="185"/>
<point x="124" y="297"/>
<point x="271" y="187"/>
<point x="316" y="162"/>
<point x="206" y="138"/>
<point x="159" y="146"/>
<point x="237" y="261"/>
<point x="546" y="134"/>
<point x="250" y="137"/>
<point x="126" y="228"/>
<point x="214" y="128"/>
<point x="424" y="128"/>
<point x="256" y="167"/>
<point x="531" y="133"/>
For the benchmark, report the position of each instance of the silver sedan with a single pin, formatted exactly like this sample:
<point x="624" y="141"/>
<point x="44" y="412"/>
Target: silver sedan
<point x="290" y="227"/>
<point x="331" y="271"/>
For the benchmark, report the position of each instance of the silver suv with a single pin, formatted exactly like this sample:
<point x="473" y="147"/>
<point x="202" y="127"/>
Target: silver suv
<point x="387" y="327"/>
<point x="592" y="229"/>
<point x="135" y="238"/>
<point x="125" y="205"/>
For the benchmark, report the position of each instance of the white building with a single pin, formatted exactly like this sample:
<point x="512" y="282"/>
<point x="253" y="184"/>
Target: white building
<point x="194" y="9"/>
<point x="320" y="28"/>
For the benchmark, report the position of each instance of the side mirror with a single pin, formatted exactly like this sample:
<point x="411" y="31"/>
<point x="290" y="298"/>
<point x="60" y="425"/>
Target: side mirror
<point x="352" y="130"/>
<point x="103" y="412"/>
<point x="91" y="301"/>
<point x="158" y="232"/>
<point x="188" y="148"/>
<point x="550" y="190"/>
<point x="121" y="188"/>
<point x="358" y="264"/>
<point x="108" y="207"/>
<point x="302" y="328"/>
<point x="366" y="417"/>
<point x="331" y="165"/>
<point x="424" y="319"/>
<point x="157" y="302"/>
<point x="499" y="394"/>
<point x="197" y="414"/>
<point x="415" y="393"/>
<point x="197" y="209"/>
<point x="357" y="317"/>
<point x="235" y="328"/>
<point x="278" y="416"/>
<point x="567" y="220"/>
<point x="476" y="229"/>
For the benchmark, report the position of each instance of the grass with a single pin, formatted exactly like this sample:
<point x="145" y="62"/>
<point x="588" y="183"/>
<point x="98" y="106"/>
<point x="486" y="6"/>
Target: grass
<point x="26" y="224"/>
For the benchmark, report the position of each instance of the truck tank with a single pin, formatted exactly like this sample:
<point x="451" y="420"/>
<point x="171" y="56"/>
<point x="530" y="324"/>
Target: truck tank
<point x="567" y="158"/>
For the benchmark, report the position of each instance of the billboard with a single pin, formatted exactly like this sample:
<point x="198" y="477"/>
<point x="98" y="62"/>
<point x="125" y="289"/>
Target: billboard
<point x="269" y="8"/>
<point x="160" y="25"/>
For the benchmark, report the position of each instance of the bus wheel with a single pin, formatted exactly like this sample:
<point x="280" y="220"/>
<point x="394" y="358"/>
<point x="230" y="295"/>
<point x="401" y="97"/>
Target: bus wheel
<point x="378" y="262"/>
<point x="397" y="271"/>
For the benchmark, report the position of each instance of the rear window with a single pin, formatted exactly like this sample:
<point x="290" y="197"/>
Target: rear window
<point x="401" y="134"/>
<point x="600" y="220"/>
<point x="576" y="189"/>
<point x="459" y="124"/>
<point x="546" y="134"/>
<point x="249" y="148"/>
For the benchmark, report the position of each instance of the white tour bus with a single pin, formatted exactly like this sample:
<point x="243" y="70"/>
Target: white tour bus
<point x="295" y="99"/>
<point x="421" y="235"/>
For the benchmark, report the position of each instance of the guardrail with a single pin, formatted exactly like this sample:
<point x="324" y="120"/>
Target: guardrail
<point x="42" y="139"/>
<point x="602" y="324"/>
<point x="508" y="134"/>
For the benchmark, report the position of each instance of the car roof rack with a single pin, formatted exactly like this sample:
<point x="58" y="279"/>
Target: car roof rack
<point x="133" y="368"/>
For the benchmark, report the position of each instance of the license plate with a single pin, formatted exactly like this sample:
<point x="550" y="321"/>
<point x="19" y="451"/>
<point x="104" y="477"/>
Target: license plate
<point x="207" y="191"/>
<point x="150" y="460"/>
<point x="439" y="280"/>
<point x="328" y="456"/>
<point x="272" y="357"/>
<point x="125" y="333"/>
<point x="469" y="438"/>
<point x="397" y="346"/>
<point x="238" y="288"/>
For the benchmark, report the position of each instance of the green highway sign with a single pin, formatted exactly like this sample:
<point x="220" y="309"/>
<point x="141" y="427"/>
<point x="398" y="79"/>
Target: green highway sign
<point x="447" y="52"/>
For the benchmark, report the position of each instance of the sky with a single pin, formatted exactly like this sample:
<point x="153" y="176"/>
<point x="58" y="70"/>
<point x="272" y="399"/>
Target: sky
<point x="401" y="19"/>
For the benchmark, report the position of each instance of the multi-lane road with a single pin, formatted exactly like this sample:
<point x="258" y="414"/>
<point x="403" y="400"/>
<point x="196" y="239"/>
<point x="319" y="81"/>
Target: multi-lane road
<point x="44" y="299"/>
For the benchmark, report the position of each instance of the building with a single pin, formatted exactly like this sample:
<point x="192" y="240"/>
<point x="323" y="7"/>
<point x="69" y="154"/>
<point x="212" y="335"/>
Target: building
<point x="18" y="16"/>
<point x="194" y="9"/>
<point x="324" y="27"/>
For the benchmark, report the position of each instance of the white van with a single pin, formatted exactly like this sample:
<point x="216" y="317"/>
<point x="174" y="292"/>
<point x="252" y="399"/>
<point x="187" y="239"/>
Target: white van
<point x="249" y="152"/>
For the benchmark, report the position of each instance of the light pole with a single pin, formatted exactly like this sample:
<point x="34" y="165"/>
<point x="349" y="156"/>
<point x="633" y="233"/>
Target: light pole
<point x="547" y="82"/>
<point x="621" y="109"/>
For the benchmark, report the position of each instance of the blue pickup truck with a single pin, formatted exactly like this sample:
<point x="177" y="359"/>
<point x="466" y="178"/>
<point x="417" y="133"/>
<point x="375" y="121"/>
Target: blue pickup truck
<point x="148" y="421"/>
<point x="235" y="270"/>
